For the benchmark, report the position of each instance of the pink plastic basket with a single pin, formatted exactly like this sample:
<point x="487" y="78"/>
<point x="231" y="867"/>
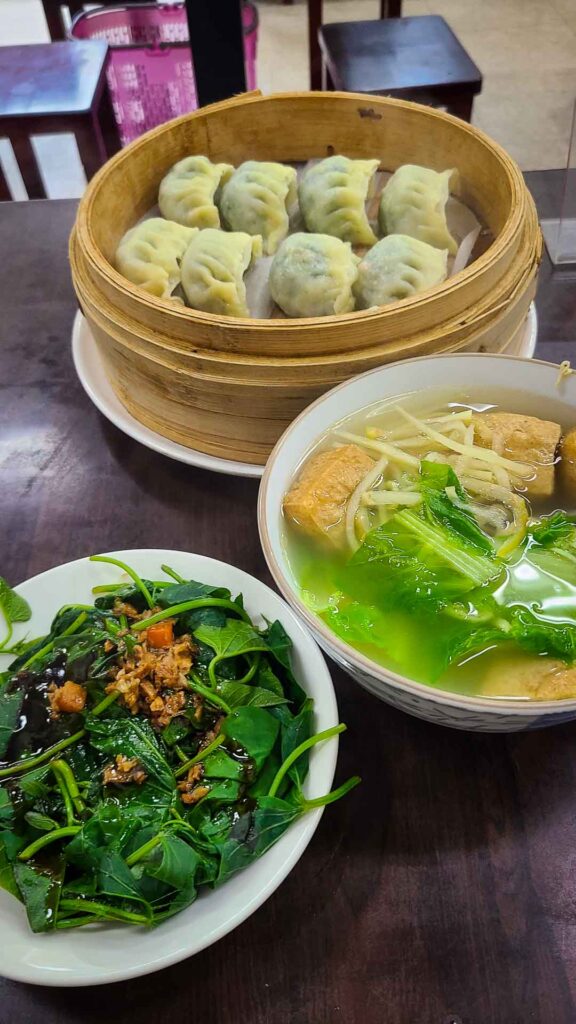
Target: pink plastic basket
<point x="150" y="73"/>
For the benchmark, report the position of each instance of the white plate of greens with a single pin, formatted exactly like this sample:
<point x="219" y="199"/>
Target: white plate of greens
<point x="154" y="789"/>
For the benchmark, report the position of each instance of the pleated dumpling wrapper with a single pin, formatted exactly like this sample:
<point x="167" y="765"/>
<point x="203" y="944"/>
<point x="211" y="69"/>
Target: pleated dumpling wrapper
<point x="189" y="192"/>
<point x="257" y="199"/>
<point x="413" y="202"/>
<point x="150" y="254"/>
<point x="213" y="271"/>
<point x="312" y="275"/>
<point x="396" y="268"/>
<point x="333" y="195"/>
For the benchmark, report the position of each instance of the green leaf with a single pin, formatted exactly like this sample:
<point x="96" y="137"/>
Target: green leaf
<point x="227" y="790"/>
<point x="242" y="694"/>
<point x="440" y="510"/>
<point x="178" y="593"/>
<point x="236" y="637"/>
<point x="414" y="564"/>
<point x="115" y="879"/>
<point x="40" y="894"/>
<point x="267" y="679"/>
<point x="176" y="730"/>
<point x="555" y="530"/>
<point x="133" y="737"/>
<point x="11" y="699"/>
<point x="439" y="475"/>
<point x="254" y="730"/>
<point x="293" y="734"/>
<point x="14" y="607"/>
<point x="7" y="879"/>
<point x="220" y="765"/>
<point x="280" y="647"/>
<point x="40" y="821"/>
<point x="253" y="833"/>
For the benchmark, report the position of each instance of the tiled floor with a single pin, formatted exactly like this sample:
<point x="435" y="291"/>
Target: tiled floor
<point x="526" y="50"/>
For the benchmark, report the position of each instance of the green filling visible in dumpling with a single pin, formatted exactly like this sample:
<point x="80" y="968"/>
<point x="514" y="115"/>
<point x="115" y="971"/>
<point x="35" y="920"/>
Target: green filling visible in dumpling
<point x="396" y="268"/>
<point x="312" y="275"/>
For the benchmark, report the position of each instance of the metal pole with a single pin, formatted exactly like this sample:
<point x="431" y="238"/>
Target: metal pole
<point x="217" y="45"/>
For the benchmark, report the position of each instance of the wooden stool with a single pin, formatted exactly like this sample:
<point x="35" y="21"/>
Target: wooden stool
<point x="56" y="87"/>
<point x="412" y="58"/>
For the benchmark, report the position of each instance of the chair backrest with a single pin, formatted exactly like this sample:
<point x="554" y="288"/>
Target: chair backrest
<point x="54" y="14"/>
<point x="388" y="9"/>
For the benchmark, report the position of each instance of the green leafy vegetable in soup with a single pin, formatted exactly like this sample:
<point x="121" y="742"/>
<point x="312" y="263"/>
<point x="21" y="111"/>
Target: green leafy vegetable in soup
<point x="430" y="539"/>
<point x="151" y="744"/>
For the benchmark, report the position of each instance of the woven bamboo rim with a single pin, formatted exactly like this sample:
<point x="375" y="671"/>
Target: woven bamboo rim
<point x="306" y="125"/>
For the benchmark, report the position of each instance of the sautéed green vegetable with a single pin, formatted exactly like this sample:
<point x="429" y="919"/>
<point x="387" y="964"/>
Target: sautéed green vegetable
<point x="151" y="745"/>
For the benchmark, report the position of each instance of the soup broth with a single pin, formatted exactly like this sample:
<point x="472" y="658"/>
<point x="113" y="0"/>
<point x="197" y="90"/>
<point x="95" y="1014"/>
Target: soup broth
<point x="456" y="570"/>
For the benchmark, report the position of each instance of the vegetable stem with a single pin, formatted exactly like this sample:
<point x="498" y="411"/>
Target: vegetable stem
<point x="46" y="755"/>
<point x="321" y="801"/>
<point x="299" y="750"/>
<point x="66" y="797"/>
<point x="251" y="671"/>
<point x="186" y="606"/>
<point x="69" y="779"/>
<point x="207" y="693"/>
<point x="200" y="756"/>
<point x="105" y="702"/>
<point x="8" y="636"/>
<point x="130" y="572"/>
<point x="172" y="572"/>
<point x="46" y="839"/>
<point x="50" y="646"/>
<point x="143" y="850"/>
<point x="103" y="910"/>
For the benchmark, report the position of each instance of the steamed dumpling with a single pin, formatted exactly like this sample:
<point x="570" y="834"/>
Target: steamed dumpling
<point x="188" y="192"/>
<point x="312" y="275"/>
<point x="256" y="199"/>
<point x="413" y="203"/>
<point x="149" y="255"/>
<point x="213" y="271"/>
<point x="333" y="196"/>
<point x="395" y="268"/>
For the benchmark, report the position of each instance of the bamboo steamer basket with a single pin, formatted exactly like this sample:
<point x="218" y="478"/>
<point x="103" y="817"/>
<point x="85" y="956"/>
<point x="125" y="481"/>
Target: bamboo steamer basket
<point x="236" y="408"/>
<point x="294" y="127"/>
<point x="490" y="335"/>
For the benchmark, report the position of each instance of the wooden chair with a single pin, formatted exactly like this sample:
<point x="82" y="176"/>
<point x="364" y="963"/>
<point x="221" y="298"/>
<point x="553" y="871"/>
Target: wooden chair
<point x="55" y="87"/>
<point x="388" y="9"/>
<point x="412" y="58"/>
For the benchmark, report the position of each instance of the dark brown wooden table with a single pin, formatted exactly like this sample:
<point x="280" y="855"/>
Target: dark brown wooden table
<point x="443" y="890"/>
<point x="54" y="88"/>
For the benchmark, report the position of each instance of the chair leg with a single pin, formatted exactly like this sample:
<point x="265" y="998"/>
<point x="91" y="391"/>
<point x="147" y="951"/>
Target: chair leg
<point x="27" y="163"/>
<point x="106" y="125"/>
<point x="53" y="15"/>
<point x="390" y="8"/>
<point x="314" y="23"/>
<point x="327" y="80"/>
<point x="90" y="143"/>
<point x="5" y="193"/>
<point x="461" y="106"/>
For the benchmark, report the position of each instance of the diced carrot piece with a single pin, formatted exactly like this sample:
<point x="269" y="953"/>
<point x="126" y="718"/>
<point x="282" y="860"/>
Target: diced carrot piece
<point x="161" y="634"/>
<point x="70" y="698"/>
